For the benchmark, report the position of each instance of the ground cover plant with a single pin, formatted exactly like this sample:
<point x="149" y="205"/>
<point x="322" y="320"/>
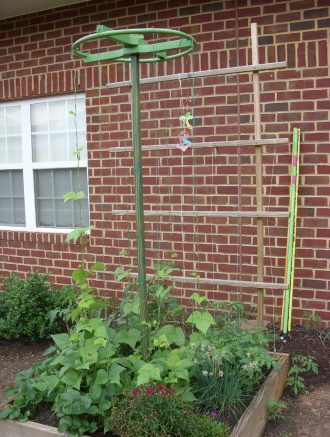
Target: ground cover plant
<point x="32" y="308"/>
<point x="204" y="358"/>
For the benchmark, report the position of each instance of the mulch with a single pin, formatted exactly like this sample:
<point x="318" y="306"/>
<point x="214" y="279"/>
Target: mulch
<point x="306" y="415"/>
<point x="18" y="355"/>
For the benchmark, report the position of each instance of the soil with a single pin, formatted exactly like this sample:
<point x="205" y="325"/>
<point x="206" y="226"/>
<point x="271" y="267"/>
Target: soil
<point x="18" y="355"/>
<point x="305" y="415"/>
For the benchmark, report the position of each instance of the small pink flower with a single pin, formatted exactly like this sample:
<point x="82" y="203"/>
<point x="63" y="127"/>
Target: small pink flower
<point x="150" y="390"/>
<point x="213" y="414"/>
<point x="160" y="387"/>
<point x="134" y="392"/>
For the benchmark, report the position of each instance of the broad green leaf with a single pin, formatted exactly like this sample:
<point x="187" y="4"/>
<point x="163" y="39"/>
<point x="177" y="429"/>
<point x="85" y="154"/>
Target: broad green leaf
<point x="101" y="331"/>
<point x="80" y="275"/>
<point x="202" y="320"/>
<point x="77" y="233"/>
<point x="104" y="405"/>
<point x="5" y="413"/>
<point x="121" y="273"/>
<point x="72" y="378"/>
<point x="161" y="341"/>
<point x="181" y="373"/>
<point x="148" y="372"/>
<point x="80" y="195"/>
<point x="50" y="380"/>
<point x="130" y="337"/>
<point x="98" y="266"/>
<point x="114" y="373"/>
<point x="174" y="335"/>
<point x="102" y="377"/>
<point x="199" y="299"/>
<point x="61" y="340"/>
<point x="132" y="307"/>
<point x="41" y="386"/>
<point x="187" y="395"/>
<point x="136" y="305"/>
<point x="68" y="196"/>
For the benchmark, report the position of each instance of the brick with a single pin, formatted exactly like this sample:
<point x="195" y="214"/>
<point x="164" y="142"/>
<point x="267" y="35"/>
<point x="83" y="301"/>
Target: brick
<point x="315" y="34"/>
<point x="290" y="97"/>
<point x="265" y="40"/>
<point x="214" y="6"/>
<point x="276" y="107"/>
<point x="302" y="25"/>
<point x="316" y="13"/>
<point x="189" y="10"/>
<point x="146" y="18"/>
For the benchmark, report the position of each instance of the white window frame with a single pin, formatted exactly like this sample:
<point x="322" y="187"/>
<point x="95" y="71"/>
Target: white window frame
<point x="28" y="166"/>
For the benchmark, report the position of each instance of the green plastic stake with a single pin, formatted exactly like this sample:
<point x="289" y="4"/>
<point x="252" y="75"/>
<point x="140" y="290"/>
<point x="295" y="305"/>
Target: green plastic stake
<point x="291" y="231"/>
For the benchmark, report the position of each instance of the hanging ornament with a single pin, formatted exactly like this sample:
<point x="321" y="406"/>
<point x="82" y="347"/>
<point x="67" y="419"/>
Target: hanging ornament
<point x="184" y="143"/>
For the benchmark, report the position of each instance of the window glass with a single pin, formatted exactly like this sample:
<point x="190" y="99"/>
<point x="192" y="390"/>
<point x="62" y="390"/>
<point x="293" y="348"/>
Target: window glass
<point x="14" y="149"/>
<point x="58" y="147"/>
<point x="10" y="135"/>
<point x="12" y="210"/>
<point x="39" y="117"/>
<point x="50" y="187"/>
<point x="13" y="120"/>
<point x="58" y="116"/>
<point x="40" y="148"/>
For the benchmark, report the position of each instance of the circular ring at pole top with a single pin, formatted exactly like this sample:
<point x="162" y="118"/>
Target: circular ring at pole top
<point x="134" y="44"/>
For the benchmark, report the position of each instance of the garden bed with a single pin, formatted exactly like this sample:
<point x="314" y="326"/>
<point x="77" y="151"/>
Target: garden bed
<point x="252" y="423"/>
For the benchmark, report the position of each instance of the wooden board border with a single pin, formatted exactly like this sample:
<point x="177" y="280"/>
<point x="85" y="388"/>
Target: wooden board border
<point x="253" y="422"/>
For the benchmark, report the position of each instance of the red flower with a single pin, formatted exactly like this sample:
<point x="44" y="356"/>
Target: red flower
<point x="160" y="387"/>
<point x="134" y="392"/>
<point x="150" y="390"/>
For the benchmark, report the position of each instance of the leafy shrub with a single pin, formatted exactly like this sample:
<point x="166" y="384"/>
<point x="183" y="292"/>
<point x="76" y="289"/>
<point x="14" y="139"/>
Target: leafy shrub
<point x="25" y="305"/>
<point x="275" y="410"/>
<point x="229" y="366"/>
<point x="158" y="411"/>
<point x="300" y="364"/>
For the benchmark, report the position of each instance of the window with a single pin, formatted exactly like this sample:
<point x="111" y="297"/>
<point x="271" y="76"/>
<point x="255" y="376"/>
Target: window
<point x="38" y="164"/>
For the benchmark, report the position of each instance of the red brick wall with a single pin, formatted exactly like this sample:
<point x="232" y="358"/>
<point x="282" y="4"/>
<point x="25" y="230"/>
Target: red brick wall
<point x="35" y="60"/>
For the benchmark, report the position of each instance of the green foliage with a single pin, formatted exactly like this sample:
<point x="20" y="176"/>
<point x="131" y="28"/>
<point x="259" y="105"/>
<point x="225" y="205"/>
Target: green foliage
<point x="313" y="321"/>
<point x="78" y="233"/>
<point x="229" y="366"/>
<point x="300" y="364"/>
<point x="156" y="411"/>
<point x="203" y="320"/>
<point x="275" y="410"/>
<point x="31" y="307"/>
<point x="91" y="368"/>
<point x="80" y="195"/>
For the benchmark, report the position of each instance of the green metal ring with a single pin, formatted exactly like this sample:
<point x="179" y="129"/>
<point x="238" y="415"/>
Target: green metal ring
<point x="113" y="33"/>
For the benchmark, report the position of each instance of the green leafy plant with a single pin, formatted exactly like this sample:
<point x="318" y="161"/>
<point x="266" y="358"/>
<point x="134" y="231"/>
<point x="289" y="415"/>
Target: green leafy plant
<point x="275" y="409"/>
<point x="156" y="410"/>
<point x="26" y="305"/>
<point x="300" y="364"/>
<point x="312" y="320"/>
<point x="229" y="366"/>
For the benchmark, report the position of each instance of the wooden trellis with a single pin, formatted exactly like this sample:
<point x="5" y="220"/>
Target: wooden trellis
<point x="258" y="142"/>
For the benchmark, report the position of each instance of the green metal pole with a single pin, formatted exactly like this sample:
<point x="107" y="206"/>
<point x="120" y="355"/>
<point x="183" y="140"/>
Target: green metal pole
<point x="138" y="183"/>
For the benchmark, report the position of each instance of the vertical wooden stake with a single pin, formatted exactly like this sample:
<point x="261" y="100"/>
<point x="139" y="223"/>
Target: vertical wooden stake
<point x="259" y="190"/>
